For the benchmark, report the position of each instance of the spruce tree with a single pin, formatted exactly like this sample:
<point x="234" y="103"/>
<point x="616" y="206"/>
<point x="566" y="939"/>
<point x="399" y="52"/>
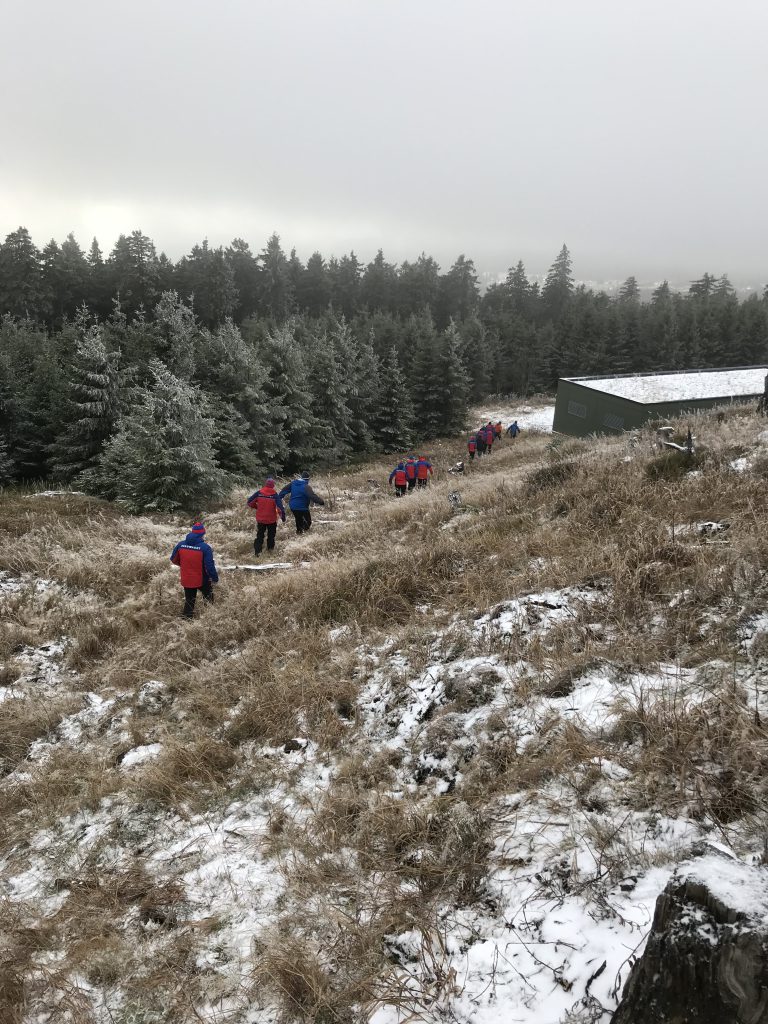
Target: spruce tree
<point x="453" y="383"/>
<point x="295" y="434"/>
<point x="458" y="295"/>
<point x="161" y="458"/>
<point x="519" y="290"/>
<point x="93" y="391"/>
<point x="21" y="286"/>
<point x="363" y="396"/>
<point x="393" y="421"/>
<point x="423" y="373"/>
<point x="7" y="467"/>
<point x="245" y="277"/>
<point x="313" y="293"/>
<point x="378" y="288"/>
<point x="177" y="334"/>
<point x="558" y="287"/>
<point x="329" y="386"/>
<point x="418" y="285"/>
<point x="476" y="357"/>
<point x="133" y="272"/>
<point x="275" y="292"/>
<point x="235" y="378"/>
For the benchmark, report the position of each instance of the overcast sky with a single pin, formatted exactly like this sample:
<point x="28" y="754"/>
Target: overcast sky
<point x="634" y="132"/>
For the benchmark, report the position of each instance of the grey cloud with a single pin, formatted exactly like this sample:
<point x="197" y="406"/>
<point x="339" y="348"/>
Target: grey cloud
<point x="495" y="128"/>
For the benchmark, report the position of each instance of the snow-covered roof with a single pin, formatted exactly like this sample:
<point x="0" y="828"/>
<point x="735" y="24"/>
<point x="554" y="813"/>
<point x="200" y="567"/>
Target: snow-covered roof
<point x="673" y="387"/>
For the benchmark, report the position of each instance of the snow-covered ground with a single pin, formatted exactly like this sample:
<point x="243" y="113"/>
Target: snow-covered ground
<point x="556" y="931"/>
<point x="539" y="418"/>
<point x="575" y="848"/>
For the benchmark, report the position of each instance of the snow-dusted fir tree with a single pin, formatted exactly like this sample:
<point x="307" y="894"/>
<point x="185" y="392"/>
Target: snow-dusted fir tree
<point x="6" y="463"/>
<point x="452" y="383"/>
<point x="7" y="466"/>
<point x="290" y="396"/>
<point x="92" y="404"/>
<point x="393" y="420"/>
<point x="177" y="333"/>
<point x="234" y="378"/>
<point x="428" y="396"/>
<point x="363" y="397"/>
<point x="328" y="358"/>
<point x="161" y="458"/>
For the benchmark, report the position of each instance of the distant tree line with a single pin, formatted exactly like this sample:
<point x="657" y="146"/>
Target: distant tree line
<point x="157" y="383"/>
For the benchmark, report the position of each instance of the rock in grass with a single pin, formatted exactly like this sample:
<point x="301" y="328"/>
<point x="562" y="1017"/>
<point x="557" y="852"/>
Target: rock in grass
<point x="706" y="960"/>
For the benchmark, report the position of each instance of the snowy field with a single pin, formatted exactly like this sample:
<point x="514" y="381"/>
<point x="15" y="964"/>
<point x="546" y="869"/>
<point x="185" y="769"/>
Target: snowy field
<point x="673" y="387"/>
<point x="530" y="418"/>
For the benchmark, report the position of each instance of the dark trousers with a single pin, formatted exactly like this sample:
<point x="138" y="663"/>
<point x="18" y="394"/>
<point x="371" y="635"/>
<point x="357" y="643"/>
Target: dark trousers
<point x="400" y="490"/>
<point x="471" y="455"/>
<point x="411" y="484"/>
<point x="303" y="519"/>
<point x="423" y="483"/>
<point x="261" y="528"/>
<point x="190" y="594"/>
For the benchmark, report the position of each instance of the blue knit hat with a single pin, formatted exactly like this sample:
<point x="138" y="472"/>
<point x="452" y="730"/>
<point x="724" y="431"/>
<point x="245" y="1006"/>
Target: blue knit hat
<point x="305" y="475"/>
<point x="198" y="529"/>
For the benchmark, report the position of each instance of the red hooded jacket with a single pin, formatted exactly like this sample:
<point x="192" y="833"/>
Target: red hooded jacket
<point x="268" y="505"/>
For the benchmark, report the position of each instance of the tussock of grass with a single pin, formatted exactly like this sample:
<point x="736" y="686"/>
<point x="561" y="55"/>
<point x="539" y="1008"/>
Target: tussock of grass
<point x="183" y="770"/>
<point x="24" y="720"/>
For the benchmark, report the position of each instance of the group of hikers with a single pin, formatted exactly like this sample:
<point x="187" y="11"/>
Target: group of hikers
<point x="410" y="473"/>
<point x="267" y="503"/>
<point x="481" y="442"/>
<point x="195" y="557"/>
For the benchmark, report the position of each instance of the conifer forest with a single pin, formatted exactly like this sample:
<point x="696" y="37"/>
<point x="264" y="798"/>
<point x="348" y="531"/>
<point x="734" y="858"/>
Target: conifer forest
<point x="159" y="384"/>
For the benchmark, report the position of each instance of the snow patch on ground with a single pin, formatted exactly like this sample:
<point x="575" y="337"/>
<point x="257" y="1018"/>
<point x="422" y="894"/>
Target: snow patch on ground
<point x="16" y="584"/>
<point x="267" y="565"/>
<point x="59" y="494"/>
<point x="140" y="755"/>
<point x="535" y="420"/>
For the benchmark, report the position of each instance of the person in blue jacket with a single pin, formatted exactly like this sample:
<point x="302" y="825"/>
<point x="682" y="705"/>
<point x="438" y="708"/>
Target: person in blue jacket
<point x="301" y="497"/>
<point x="513" y="430"/>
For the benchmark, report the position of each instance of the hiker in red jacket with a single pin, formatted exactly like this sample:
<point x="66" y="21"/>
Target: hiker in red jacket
<point x="268" y="505"/>
<point x="490" y="436"/>
<point x="410" y="472"/>
<point x="423" y="471"/>
<point x="400" y="477"/>
<point x="498" y="428"/>
<point x="198" y="570"/>
<point x="472" y="446"/>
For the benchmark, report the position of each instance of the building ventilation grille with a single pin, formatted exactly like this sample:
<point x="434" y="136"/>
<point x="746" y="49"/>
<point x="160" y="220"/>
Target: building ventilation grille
<point x="577" y="409"/>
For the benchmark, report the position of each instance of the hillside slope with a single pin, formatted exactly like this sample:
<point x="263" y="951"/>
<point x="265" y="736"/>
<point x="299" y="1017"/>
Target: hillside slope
<point x="438" y="769"/>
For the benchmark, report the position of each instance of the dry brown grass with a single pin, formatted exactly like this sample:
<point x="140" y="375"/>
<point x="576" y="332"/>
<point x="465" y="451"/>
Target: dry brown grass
<point x="365" y="859"/>
<point x="184" y="770"/>
<point x="26" y="719"/>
